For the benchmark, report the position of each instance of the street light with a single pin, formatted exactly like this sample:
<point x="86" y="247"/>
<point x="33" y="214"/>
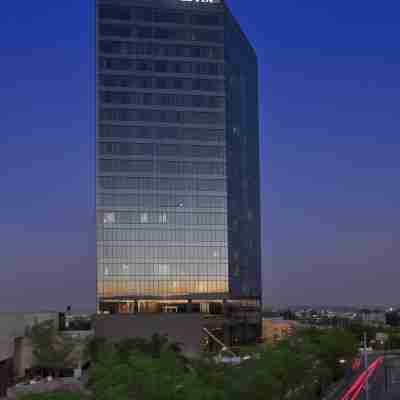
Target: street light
<point x="366" y="366"/>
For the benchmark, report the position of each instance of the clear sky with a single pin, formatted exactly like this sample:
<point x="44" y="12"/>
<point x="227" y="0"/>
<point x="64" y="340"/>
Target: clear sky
<point x="330" y="126"/>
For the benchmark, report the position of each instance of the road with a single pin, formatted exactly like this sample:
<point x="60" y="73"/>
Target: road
<point x="383" y="380"/>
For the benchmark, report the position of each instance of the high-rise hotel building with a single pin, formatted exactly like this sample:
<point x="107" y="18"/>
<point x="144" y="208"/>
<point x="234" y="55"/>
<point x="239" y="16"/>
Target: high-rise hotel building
<point x="177" y="191"/>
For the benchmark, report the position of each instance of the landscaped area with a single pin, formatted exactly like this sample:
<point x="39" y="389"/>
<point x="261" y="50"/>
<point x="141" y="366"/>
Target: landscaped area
<point x="301" y="368"/>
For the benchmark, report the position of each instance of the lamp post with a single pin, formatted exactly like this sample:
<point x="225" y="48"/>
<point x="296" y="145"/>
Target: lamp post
<point x="385" y="367"/>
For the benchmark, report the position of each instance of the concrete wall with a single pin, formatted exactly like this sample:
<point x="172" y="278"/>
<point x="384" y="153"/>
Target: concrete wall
<point x="182" y="328"/>
<point x="6" y="348"/>
<point x="23" y="356"/>
<point x="13" y="326"/>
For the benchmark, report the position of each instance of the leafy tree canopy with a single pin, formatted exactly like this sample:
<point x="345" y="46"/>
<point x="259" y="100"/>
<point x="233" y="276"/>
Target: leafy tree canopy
<point x="299" y="368"/>
<point x="50" y="349"/>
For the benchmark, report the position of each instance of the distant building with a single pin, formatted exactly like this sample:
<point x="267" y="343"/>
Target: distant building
<point x="16" y="352"/>
<point x="393" y="317"/>
<point x="276" y="329"/>
<point x="75" y="324"/>
<point x="13" y="327"/>
<point x="372" y="316"/>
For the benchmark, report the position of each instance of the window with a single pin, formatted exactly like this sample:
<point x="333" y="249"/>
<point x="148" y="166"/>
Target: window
<point x="169" y="17"/>
<point x="119" y="13"/>
<point x="162" y="218"/>
<point x="142" y="14"/>
<point x="161" y="83"/>
<point x="144" y="218"/>
<point x="143" y="32"/>
<point x="148" y="82"/>
<point x="206" y="19"/>
<point x="177" y="84"/>
<point x="162" y="269"/>
<point x="109" y="131"/>
<point x="145" y="83"/>
<point x="161" y="66"/>
<point x="127" y="148"/>
<point x="160" y="33"/>
<point x="109" y="218"/>
<point x="164" y="50"/>
<point x="125" y="268"/>
<point x="147" y="99"/>
<point x="171" y="100"/>
<point x="115" y="30"/>
<point x="170" y="200"/>
<point x="142" y="65"/>
<point x="115" y="63"/>
<point x="207" y="36"/>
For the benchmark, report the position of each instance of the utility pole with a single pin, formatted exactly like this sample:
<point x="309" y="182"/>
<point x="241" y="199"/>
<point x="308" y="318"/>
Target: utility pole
<point x="366" y="366"/>
<point x="385" y="345"/>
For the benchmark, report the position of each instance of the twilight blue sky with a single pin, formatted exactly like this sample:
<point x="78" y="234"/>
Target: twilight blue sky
<point x="330" y="125"/>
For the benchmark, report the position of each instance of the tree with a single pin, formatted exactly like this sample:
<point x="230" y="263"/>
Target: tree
<point x="153" y="347"/>
<point x="394" y="341"/>
<point x="282" y="372"/>
<point x="137" y="368"/>
<point x="300" y="368"/>
<point x="139" y="377"/>
<point x="50" y="349"/>
<point x="358" y="329"/>
<point x="94" y="347"/>
<point x="330" y="346"/>
<point x="393" y="318"/>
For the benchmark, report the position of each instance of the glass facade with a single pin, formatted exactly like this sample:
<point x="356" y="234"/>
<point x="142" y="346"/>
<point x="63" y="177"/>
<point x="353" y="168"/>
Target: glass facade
<point x="242" y="149"/>
<point x="173" y="181"/>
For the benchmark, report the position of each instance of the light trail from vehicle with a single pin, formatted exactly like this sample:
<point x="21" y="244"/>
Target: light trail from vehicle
<point x="354" y="391"/>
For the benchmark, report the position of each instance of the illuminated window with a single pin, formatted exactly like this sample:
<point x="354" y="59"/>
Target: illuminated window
<point x="144" y="218"/>
<point x="162" y="218"/>
<point x="125" y="268"/>
<point x="204" y="308"/>
<point x="109" y="218"/>
<point x="162" y="269"/>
